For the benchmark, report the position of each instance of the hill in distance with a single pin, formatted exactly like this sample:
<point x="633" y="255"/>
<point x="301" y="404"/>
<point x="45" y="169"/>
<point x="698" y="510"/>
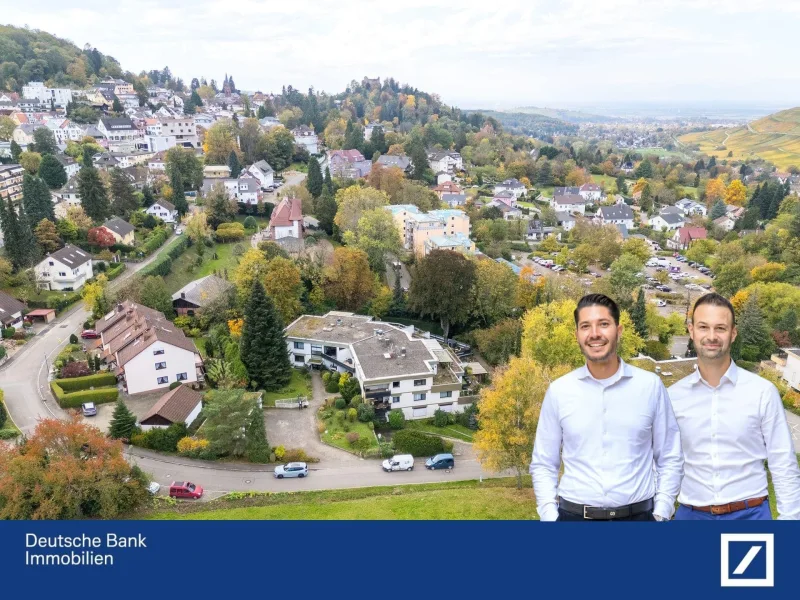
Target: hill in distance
<point x="570" y="116"/>
<point x="775" y="138"/>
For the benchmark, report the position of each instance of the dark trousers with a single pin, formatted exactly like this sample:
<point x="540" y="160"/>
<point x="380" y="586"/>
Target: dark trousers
<point x="568" y="516"/>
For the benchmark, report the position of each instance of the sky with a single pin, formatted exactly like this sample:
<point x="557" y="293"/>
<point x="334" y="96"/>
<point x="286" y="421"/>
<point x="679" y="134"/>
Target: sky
<point x="473" y="54"/>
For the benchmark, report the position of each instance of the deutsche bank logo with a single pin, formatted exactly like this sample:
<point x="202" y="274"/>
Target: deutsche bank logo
<point x="748" y="559"/>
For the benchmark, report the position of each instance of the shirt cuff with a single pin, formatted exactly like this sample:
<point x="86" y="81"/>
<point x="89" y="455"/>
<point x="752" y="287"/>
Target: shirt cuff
<point x="663" y="509"/>
<point x="549" y="513"/>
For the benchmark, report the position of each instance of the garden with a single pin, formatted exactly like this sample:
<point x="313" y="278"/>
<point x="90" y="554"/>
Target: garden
<point x="299" y="385"/>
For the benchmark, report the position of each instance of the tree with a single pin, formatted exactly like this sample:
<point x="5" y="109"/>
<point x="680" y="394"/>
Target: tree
<point x="376" y="234"/>
<point x="185" y="162"/>
<point x="101" y="237"/>
<point x="326" y="210"/>
<point x="413" y="192"/>
<point x="279" y="148"/>
<point x="20" y="242"/>
<point x="348" y="281"/>
<point x="116" y="106"/>
<point x="45" y="141"/>
<point x="234" y="164"/>
<point x="197" y="229"/>
<point x="715" y="190"/>
<point x="219" y="208"/>
<point x="219" y="142"/>
<point x="229" y="421"/>
<point x="639" y="316"/>
<point x="328" y="180"/>
<point x="623" y="278"/>
<point x="178" y="194"/>
<point x="419" y="158"/>
<point x="736" y="193"/>
<point x="68" y="470"/>
<point x="123" y="198"/>
<point x="544" y="176"/>
<point x="770" y="271"/>
<point x="252" y="267"/>
<point x="441" y="287"/>
<point x="732" y="277"/>
<point x="16" y="151"/>
<point x="314" y="180"/>
<point x="36" y="199"/>
<point x="263" y="343"/>
<point x="52" y="172"/>
<point x="381" y="302"/>
<point x="94" y="296"/>
<point x="645" y="170"/>
<point x="47" y="236"/>
<point x="509" y="415"/>
<point x="7" y="127"/>
<point x="622" y="187"/>
<point x="499" y="343"/>
<point x="494" y="291"/>
<point x="718" y="210"/>
<point x="755" y="340"/>
<point x="646" y="199"/>
<point x="30" y="161"/>
<point x="153" y="293"/>
<point x="283" y="284"/>
<point x="94" y="197"/>
<point x="353" y="202"/>
<point x="123" y="422"/>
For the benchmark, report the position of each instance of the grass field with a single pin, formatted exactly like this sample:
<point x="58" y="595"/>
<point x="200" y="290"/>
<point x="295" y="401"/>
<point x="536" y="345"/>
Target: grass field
<point x="469" y="500"/>
<point x="184" y="269"/>
<point x="298" y="386"/>
<point x="455" y="431"/>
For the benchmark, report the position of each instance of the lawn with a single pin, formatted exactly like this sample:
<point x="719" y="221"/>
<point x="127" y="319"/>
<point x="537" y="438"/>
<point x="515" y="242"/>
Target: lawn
<point x="335" y="434"/>
<point x="300" y="385"/>
<point x="493" y="499"/>
<point x="455" y="430"/>
<point x="262" y="221"/>
<point x="184" y="269"/>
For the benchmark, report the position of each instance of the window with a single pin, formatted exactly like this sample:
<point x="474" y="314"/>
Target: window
<point x="181" y="377"/>
<point x="418" y="382"/>
<point x="51" y="263"/>
<point x="162" y="380"/>
<point x="419" y="397"/>
<point x="62" y="274"/>
<point x="395" y="399"/>
<point x="395" y="384"/>
<point x="330" y="351"/>
<point x="161" y="365"/>
<point x="445" y="394"/>
<point x="157" y="352"/>
<point x="299" y="358"/>
<point x="299" y="345"/>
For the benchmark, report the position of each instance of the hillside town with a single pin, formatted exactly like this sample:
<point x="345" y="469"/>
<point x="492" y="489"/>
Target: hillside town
<point x="293" y="277"/>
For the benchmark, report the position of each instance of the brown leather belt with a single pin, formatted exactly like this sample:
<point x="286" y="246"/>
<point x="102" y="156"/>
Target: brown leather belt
<point x="730" y="507"/>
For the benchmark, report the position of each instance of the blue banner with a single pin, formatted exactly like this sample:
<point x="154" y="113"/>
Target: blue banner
<point x="684" y="560"/>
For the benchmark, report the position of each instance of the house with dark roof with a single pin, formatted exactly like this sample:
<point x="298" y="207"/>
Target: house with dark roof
<point x="618" y="214"/>
<point x="514" y="186"/>
<point x="401" y="161"/>
<point x="10" y="311"/>
<point x="287" y="219"/>
<point x="264" y="174"/>
<point x="180" y="405"/>
<point x="121" y="230"/>
<point x="145" y="350"/>
<point x="454" y="200"/>
<point x="199" y="293"/>
<point x="571" y="203"/>
<point x="667" y="221"/>
<point x="348" y="164"/>
<point x="164" y="210"/>
<point x="65" y="269"/>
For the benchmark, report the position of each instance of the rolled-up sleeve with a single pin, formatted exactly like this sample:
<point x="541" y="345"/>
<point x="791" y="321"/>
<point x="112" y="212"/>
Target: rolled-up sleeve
<point x="667" y="455"/>
<point x="781" y="457"/>
<point x="546" y="459"/>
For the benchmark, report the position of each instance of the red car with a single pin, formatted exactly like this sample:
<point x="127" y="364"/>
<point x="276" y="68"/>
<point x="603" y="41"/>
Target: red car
<point x="89" y="334"/>
<point x="185" y="489"/>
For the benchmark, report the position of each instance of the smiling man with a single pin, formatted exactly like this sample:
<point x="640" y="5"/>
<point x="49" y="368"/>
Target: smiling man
<point x="731" y="421"/>
<point x="611" y="426"/>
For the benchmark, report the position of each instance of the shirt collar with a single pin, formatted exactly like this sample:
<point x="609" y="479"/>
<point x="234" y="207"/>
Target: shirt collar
<point x="624" y="370"/>
<point x="732" y="375"/>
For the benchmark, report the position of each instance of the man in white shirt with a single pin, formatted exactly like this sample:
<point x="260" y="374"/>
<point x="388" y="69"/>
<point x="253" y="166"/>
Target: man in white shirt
<point x="612" y="427"/>
<point x="731" y="421"/>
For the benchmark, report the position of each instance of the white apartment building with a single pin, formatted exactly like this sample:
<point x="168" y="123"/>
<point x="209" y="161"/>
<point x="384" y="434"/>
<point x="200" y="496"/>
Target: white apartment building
<point x="37" y="90"/>
<point x="65" y="269"/>
<point x="244" y="189"/>
<point x="396" y="369"/>
<point x="121" y="134"/>
<point x="304" y="136"/>
<point x="167" y="133"/>
<point x="791" y="372"/>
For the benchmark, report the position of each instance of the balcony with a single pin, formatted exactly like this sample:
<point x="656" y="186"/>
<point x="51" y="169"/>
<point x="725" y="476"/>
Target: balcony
<point x="377" y="391"/>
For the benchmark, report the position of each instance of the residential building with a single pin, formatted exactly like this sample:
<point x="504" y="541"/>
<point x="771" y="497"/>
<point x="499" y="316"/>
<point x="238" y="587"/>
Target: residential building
<point x="65" y="269"/>
<point x="158" y="162"/>
<point x="305" y="137"/>
<point x="734" y="212"/>
<point x="537" y="231"/>
<point x="163" y="210"/>
<point x="244" y="190"/>
<point x="591" y="192"/>
<point x="684" y="237"/>
<point x="10" y="311"/>
<point x="145" y="350"/>
<point x="217" y="172"/>
<point x="571" y="203"/>
<point x="454" y="200"/>
<point x="666" y="221"/>
<point x="270" y="122"/>
<point x="415" y="227"/>
<point x="448" y="187"/>
<point x="791" y="372"/>
<point x="567" y="191"/>
<point x="725" y="222"/>
<point x="287" y="220"/>
<point x="618" y="214"/>
<point x="122" y="231"/>
<point x="401" y="161"/>
<point x="506" y="197"/>
<point x="59" y="97"/>
<point x="199" y="293"/>
<point x="370" y="127"/>
<point x="23" y="135"/>
<point x="690" y="207"/>
<point x="120" y="133"/>
<point x="565" y="220"/>
<point x="348" y="164"/>
<point x="446" y="162"/>
<point x="167" y="133"/>
<point x="396" y="368"/>
<point x="457" y="243"/>
<point x="71" y="166"/>
<point x="11" y="182"/>
<point x="181" y="405"/>
<point x="509" y="212"/>
<point x="513" y="186"/>
<point x="263" y="173"/>
<point x="443" y="177"/>
<point x="69" y="193"/>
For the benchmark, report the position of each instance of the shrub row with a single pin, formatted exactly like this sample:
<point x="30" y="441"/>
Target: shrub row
<point x="163" y="440"/>
<point x="75" y="399"/>
<point x="57" y="302"/>
<point x="163" y="264"/>
<point x="115" y="271"/>
<point x="84" y="383"/>
<point x="416" y="443"/>
<point x="154" y="240"/>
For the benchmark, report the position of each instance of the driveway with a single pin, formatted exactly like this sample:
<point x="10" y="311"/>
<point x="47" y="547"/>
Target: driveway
<point x="296" y="428"/>
<point x="139" y="405"/>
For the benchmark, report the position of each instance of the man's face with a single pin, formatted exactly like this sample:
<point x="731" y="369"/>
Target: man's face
<point x="712" y="331"/>
<point x="597" y="333"/>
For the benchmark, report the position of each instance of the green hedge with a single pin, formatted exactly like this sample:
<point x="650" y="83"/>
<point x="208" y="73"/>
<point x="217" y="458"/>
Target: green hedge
<point x="163" y="264"/>
<point x="163" y="440"/>
<point x="115" y="271"/>
<point x="154" y="240"/>
<point x="75" y="399"/>
<point x="56" y="302"/>
<point x="76" y="384"/>
<point x="416" y="443"/>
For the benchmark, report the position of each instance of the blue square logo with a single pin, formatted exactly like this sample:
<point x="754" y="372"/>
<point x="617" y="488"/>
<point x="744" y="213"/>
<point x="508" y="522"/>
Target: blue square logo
<point x="748" y="560"/>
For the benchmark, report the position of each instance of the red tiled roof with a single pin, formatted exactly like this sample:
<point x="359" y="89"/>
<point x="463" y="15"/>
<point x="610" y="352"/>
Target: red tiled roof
<point x="288" y="211"/>
<point x="687" y="234"/>
<point x="348" y="155"/>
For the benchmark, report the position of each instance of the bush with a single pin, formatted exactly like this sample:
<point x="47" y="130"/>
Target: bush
<point x="416" y="443"/>
<point x="656" y="350"/>
<point x="397" y="420"/>
<point x="340" y="403"/>
<point x="349" y="389"/>
<point x="791" y="401"/>
<point x="75" y="399"/>
<point x="355" y="401"/>
<point x="189" y="446"/>
<point x="115" y="271"/>
<point x="229" y="232"/>
<point x="340" y="417"/>
<point x="442" y="418"/>
<point x="280" y="452"/>
<point x="352" y="437"/>
<point x="84" y="383"/>
<point x="250" y="223"/>
<point x="469" y="417"/>
<point x="386" y="449"/>
<point x="75" y="369"/>
<point x="73" y="339"/>
<point x="332" y="387"/>
<point x="3" y="413"/>
<point x="326" y="376"/>
<point x="8" y="332"/>
<point x="162" y="440"/>
<point x="298" y="455"/>
<point x="447" y="445"/>
<point x="321" y="427"/>
<point x="366" y="412"/>
<point x="8" y="434"/>
<point x="352" y="414"/>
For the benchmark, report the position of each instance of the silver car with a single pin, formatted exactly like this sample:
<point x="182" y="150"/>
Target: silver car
<point x="293" y="469"/>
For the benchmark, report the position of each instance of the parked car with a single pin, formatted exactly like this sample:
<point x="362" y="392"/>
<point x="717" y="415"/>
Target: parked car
<point x="178" y="231"/>
<point x="440" y="461"/>
<point x="660" y="303"/>
<point x="292" y="469"/>
<point x="597" y="274"/>
<point x="647" y="286"/>
<point x="89" y="334"/>
<point x="663" y="288"/>
<point x="88" y="409"/>
<point x="681" y="259"/>
<point x="185" y="489"/>
<point x="705" y="286"/>
<point x="652" y="280"/>
<point x="674" y="269"/>
<point x="399" y="462"/>
<point x="693" y="264"/>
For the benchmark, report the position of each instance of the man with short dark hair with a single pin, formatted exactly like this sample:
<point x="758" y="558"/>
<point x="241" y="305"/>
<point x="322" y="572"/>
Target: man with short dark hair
<point x="731" y="420"/>
<point x="611" y="426"/>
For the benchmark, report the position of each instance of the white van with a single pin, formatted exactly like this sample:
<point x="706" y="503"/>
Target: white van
<point x="399" y="462"/>
<point x="662" y="262"/>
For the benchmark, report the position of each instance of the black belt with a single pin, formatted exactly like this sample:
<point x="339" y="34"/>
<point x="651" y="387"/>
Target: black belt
<point x="605" y="514"/>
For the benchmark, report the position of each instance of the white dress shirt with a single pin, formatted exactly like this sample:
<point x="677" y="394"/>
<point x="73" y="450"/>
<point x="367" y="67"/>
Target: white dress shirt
<point x="617" y="438"/>
<point x="727" y="432"/>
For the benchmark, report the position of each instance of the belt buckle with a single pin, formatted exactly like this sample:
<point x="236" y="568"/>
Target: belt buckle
<point x="584" y="512"/>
